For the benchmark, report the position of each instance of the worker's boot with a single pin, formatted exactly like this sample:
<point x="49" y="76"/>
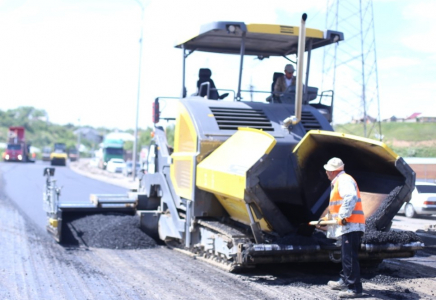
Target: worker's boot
<point x="337" y="285"/>
<point x="349" y="294"/>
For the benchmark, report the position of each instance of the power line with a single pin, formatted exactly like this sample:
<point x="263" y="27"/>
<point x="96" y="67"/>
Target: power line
<point x="350" y="68"/>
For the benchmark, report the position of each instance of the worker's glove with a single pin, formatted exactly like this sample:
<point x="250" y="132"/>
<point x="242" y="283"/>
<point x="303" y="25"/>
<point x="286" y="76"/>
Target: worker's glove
<point x="323" y="219"/>
<point x="320" y="220"/>
<point x="341" y="221"/>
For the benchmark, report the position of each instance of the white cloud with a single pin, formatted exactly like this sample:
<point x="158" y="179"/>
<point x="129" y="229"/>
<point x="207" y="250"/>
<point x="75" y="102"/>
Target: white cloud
<point x="393" y="62"/>
<point x="419" y="10"/>
<point x="419" y="15"/>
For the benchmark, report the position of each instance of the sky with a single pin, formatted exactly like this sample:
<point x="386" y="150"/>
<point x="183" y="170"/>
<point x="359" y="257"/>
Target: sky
<point x="80" y="61"/>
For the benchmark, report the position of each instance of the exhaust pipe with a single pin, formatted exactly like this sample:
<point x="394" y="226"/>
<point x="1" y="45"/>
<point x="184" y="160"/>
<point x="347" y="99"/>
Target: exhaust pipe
<point x="299" y="84"/>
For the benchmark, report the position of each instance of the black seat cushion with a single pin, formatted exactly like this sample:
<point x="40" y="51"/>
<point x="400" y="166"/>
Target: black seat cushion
<point x="276" y="76"/>
<point x="204" y="75"/>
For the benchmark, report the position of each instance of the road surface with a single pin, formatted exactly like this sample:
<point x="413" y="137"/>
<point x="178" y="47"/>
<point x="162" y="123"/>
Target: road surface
<point x="33" y="266"/>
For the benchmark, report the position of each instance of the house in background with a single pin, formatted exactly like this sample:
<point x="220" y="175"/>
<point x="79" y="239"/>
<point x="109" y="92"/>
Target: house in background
<point x="427" y="119"/>
<point x="369" y="119"/>
<point x="412" y="118"/>
<point x="90" y="134"/>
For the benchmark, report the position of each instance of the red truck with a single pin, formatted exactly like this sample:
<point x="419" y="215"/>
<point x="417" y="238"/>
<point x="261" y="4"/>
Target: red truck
<point x="17" y="148"/>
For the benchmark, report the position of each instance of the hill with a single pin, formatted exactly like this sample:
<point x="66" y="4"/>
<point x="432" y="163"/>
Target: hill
<point x="406" y="139"/>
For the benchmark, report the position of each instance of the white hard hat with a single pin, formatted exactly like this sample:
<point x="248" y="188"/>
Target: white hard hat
<point x="334" y="164"/>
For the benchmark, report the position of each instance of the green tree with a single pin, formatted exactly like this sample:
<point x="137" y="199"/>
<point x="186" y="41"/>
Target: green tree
<point x="170" y="134"/>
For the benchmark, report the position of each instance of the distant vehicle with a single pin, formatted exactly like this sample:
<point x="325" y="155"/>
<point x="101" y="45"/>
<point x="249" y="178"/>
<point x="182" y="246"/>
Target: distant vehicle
<point x="127" y="171"/>
<point x="59" y="155"/>
<point x="115" y="165"/>
<point x="17" y="149"/>
<point x="93" y="162"/>
<point x="109" y="150"/>
<point x="46" y="151"/>
<point x="423" y="201"/>
<point x="73" y="154"/>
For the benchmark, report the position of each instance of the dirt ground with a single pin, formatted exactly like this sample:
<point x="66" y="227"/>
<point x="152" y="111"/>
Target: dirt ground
<point x="33" y="266"/>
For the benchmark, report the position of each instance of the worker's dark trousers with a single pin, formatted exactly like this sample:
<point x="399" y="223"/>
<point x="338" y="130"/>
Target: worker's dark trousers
<point x="350" y="273"/>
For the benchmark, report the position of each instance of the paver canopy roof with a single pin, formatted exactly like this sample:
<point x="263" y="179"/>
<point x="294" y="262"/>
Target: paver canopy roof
<point x="260" y="39"/>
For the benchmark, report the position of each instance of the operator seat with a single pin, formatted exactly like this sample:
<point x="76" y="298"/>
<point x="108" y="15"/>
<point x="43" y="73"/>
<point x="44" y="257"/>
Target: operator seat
<point x="275" y="77"/>
<point x="273" y="97"/>
<point x="204" y="76"/>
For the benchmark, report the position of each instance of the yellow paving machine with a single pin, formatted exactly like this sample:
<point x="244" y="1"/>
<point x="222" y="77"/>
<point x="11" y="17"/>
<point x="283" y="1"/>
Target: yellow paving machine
<point x="244" y="178"/>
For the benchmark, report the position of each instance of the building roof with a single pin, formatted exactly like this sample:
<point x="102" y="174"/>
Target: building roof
<point x="413" y="116"/>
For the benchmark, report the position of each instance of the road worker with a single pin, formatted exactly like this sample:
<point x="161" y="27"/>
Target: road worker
<point x="345" y="207"/>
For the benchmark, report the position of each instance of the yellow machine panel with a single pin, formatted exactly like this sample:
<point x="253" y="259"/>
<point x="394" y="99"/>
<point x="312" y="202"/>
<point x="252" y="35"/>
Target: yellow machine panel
<point x="185" y="150"/>
<point x="224" y="172"/>
<point x="280" y="29"/>
<point x="316" y="138"/>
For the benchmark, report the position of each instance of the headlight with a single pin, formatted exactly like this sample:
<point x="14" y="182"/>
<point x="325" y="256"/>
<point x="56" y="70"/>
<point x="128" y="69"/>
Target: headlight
<point x="19" y="157"/>
<point x="7" y="156"/>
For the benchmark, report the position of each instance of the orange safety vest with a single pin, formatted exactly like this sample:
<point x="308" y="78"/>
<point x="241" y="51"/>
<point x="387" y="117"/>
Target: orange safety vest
<point x="336" y="201"/>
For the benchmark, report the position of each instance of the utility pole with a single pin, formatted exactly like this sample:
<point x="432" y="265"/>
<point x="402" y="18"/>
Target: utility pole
<point x="135" y="141"/>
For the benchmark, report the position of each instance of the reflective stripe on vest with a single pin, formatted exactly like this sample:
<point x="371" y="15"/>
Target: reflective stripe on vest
<point x="336" y="201"/>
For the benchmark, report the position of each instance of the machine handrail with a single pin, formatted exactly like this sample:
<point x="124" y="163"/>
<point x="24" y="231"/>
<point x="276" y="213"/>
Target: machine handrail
<point x="229" y="90"/>
<point x="332" y="94"/>
<point x="214" y="89"/>
<point x="166" y="97"/>
<point x="254" y="91"/>
<point x="201" y="88"/>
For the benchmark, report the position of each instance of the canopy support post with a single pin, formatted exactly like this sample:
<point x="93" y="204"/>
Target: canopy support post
<point x="238" y="95"/>
<point x="183" y="71"/>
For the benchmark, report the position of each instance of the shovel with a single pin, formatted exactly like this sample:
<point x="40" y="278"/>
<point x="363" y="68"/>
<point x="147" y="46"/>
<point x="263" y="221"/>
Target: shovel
<point x="306" y="230"/>
<point x="329" y="222"/>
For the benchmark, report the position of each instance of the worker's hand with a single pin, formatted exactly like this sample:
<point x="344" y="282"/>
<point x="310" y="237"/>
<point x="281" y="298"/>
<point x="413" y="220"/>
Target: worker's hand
<point x="321" y="227"/>
<point x="341" y="221"/>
